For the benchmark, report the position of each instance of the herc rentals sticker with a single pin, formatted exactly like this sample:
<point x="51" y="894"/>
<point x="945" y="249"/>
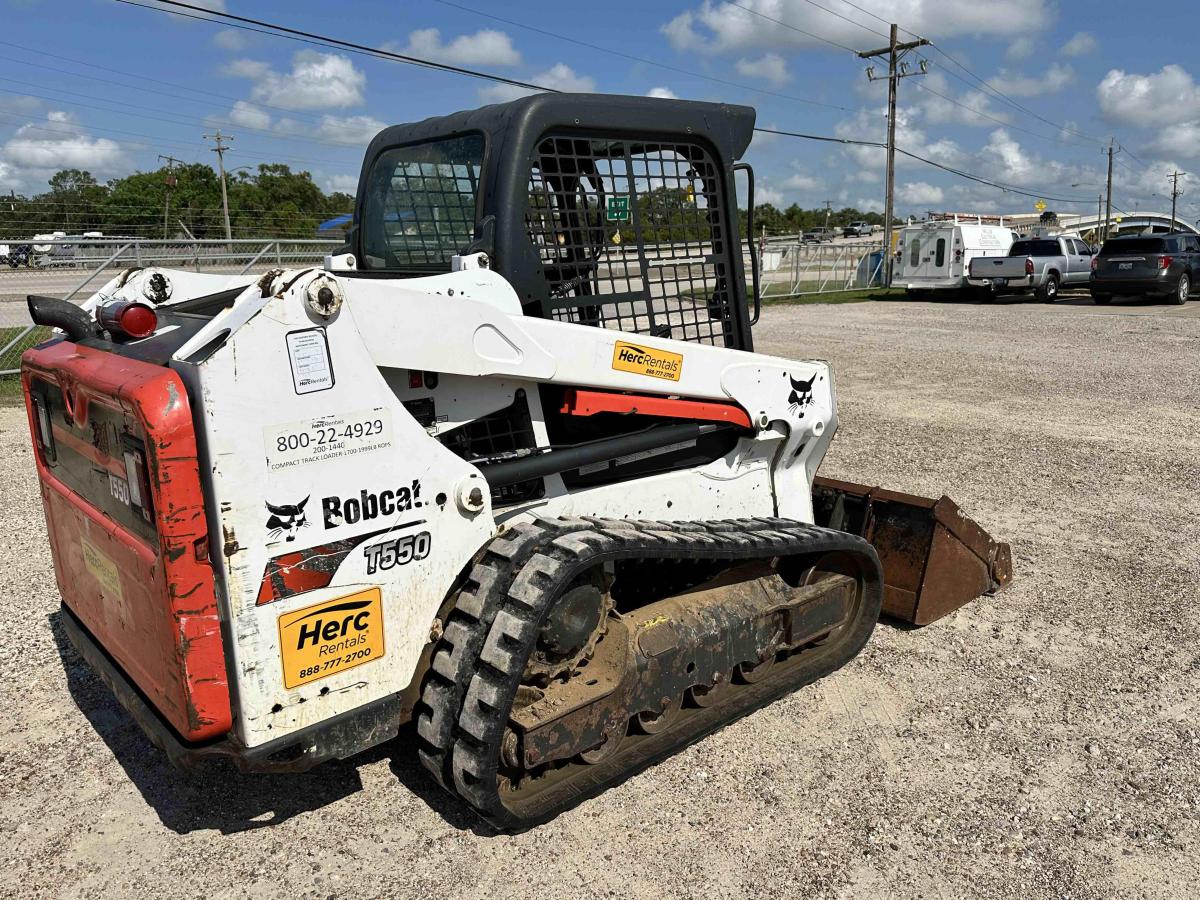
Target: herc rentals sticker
<point x="331" y="637"/>
<point x="629" y="357"/>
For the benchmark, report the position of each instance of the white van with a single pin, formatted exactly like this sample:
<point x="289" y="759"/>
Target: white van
<point x="936" y="255"/>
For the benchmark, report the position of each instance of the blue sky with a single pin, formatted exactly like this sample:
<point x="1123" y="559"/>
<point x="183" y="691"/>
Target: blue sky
<point x="106" y="86"/>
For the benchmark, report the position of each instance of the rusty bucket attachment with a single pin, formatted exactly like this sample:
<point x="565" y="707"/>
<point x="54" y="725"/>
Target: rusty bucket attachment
<point x="935" y="558"/>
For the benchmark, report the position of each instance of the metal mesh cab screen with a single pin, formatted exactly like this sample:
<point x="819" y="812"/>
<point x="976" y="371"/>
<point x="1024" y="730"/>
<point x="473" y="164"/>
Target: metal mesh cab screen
<point x="420" y="206"/>
<point x="631" y="236"/>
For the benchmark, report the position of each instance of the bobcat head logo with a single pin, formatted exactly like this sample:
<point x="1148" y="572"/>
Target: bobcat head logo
<point x="801" y="395"/>
<point x="287" y="518"/>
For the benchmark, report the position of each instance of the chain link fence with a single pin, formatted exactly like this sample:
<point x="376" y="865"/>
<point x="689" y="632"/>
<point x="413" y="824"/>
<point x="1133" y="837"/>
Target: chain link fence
<point x="73" y="268"/>
<point x="792" y="268"/>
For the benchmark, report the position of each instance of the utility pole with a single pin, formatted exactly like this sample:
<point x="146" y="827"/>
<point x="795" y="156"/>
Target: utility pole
<point x="828" y="212"/>
<point x="220" y="151"/>
<point x="1175" y="192"/>
<point x="1108" y="203"/>
<point x="897" y="69"/>
<point x="169" y="181"/>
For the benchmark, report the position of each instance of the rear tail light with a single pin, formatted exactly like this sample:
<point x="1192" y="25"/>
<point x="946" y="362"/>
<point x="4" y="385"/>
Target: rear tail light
<point x="1095" y="263"/>
<point x="1028" y="265"/>
<point x="1164" y="262"/>
<point x="129" y="318"/>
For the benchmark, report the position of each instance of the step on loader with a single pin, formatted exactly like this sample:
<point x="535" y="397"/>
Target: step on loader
<point x="506" y="467"/>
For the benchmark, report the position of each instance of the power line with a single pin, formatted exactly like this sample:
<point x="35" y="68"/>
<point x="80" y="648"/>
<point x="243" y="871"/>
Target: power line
<point x="982" y="114"/>
<point x="640" y="59"/>
<point x="1008" y="188"/>
<point x="815" y="37"/>
<point x="170" y="118"/>
<point x="882" y="34"/>
<point x="158" y="142"/>
<point x="138" y="79"/>
<point x="248" y="24"/>
<point x="819" y="137"/>
<point x="1007" y="99"/>
<point x="324" y="40"/>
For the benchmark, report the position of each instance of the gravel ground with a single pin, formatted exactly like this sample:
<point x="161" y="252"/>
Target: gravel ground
<point x="1042" y="743"/>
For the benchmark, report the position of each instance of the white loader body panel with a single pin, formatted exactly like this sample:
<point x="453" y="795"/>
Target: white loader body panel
<point x="326" y="494"/>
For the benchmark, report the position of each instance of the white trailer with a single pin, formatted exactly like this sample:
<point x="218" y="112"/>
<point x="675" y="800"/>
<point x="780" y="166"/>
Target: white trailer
<point x="936" y="255"/>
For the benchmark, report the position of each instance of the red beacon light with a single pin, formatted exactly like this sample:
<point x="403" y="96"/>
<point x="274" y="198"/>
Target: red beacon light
<point x="128" y="317"/>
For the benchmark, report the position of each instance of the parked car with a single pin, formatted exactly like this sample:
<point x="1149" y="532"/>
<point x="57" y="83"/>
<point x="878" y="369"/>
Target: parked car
<point x="856" y="229"/>
<point x="1042" y="265"/>
<point x="818" y="236"/>
<point x="1167" y="265"/>
<point x="933" y="256"/>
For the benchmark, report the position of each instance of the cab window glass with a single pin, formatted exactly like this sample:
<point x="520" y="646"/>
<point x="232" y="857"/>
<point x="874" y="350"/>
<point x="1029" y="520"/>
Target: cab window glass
<point x="420" y="207"/>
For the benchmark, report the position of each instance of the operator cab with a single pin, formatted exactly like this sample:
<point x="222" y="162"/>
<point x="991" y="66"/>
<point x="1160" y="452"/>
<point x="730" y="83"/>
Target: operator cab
<point x="602" y="210"/>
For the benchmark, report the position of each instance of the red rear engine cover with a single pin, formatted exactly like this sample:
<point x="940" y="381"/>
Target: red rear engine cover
<point x="137" y="575"/>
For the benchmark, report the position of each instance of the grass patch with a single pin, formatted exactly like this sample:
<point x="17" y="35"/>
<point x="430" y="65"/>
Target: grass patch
<point x="10" y="391"/>
<point x="10" y="385"/>
<point x="772" y="296"/>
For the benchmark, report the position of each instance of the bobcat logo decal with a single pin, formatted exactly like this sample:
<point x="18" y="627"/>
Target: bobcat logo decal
<point x="286" y="519"/>
<point x="801" y="395"/>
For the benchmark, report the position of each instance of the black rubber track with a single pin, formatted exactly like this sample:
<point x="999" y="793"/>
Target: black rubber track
<point x="480" y="660"/>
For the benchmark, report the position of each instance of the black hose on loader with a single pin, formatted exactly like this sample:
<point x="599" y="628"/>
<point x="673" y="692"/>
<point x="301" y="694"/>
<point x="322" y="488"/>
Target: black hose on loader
<point x="55" y="313"/>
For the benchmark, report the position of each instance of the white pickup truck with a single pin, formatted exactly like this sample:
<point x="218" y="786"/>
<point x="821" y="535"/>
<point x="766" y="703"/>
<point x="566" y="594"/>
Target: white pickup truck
<point x="1039" y="264"/>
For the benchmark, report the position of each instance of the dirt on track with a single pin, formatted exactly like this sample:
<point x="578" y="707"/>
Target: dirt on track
<point x="1041" y="743"/>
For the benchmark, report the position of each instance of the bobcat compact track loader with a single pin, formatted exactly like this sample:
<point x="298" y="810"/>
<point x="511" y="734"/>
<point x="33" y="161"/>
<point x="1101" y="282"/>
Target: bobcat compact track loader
<point x="507" y="466"/>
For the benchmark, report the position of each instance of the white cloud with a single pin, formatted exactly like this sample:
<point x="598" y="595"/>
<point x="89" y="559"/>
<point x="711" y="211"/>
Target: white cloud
<point x="559" y="76"/>
<point x="246" y="68"/>
<point x="345" y="184"/>
<point x="231" y="39"/>
<point x="663" y="93"/>
<point x="770" y="67"/>
<point x="718" y="26"/>
<point x="1165" y="97"/>
<point x="316" y="81"/>
<point x="801" y="182"/>
<point x="353" y="130"/>
<point x="1182" y="140"/>
<point x="919" y="193"/>
<point x="869" y="204"/>
<point x="38" y="149"/>
<point x="871" y="125"/>
<point x="1010" y="163"/>
<point x="249" y="115"/>
<point x="1053" y="80"/>
<point x="1080" y="44"/>
<point x="938" y="105"/>
<point x="764" y="194"/>
<point x="19" y="103"/>
<point x="485" y="47"/>
<point x="1021" y="48"/>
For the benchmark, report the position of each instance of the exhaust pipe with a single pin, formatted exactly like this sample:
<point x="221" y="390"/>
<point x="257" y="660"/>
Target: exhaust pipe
<point x="62" y="314"/>
<point x="935" y="558"/>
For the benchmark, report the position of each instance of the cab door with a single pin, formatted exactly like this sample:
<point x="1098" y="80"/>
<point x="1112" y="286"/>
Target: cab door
<point x="1079" y="261"/>
<point x="929" y="255"/>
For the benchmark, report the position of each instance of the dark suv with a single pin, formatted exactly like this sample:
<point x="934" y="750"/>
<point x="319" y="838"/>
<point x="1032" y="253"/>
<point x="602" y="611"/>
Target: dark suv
<point x="1166" y="266"/>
